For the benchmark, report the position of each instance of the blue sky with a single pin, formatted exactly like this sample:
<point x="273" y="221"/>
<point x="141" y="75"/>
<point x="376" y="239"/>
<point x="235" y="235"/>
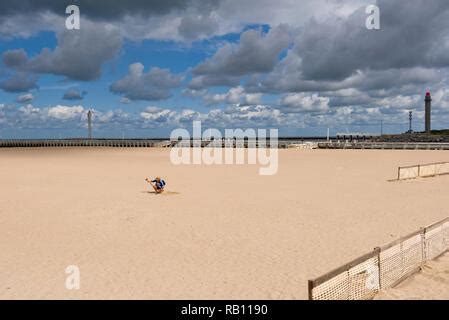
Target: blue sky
<point x="146" y="69"/>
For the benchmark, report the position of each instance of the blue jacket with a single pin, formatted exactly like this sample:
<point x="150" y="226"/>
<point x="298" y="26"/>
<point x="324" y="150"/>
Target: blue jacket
<point x="159" y="184"/>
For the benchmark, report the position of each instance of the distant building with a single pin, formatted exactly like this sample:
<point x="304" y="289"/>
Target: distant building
<point x="356" y="136"/>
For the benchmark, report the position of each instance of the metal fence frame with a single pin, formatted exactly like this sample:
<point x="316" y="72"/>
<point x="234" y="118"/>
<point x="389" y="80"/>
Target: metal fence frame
<point x="384" y="267"/>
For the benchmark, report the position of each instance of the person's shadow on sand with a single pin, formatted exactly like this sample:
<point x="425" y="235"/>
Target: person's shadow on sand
<point x="165" y="193"/>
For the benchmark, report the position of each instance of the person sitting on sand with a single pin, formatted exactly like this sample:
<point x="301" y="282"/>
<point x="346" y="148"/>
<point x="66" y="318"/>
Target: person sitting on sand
<point x="158" y="184"/>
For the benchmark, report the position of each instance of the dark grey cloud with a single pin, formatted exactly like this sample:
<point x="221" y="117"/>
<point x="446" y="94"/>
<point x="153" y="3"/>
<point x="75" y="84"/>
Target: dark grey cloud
<point x="73" y="94"/>
<point x="174" y="20"/>
<point x="288" y="76"/>
<point x="255" y="53"/>
<point x="413" y="34"/>
<point x="19" y="82"/>
<point x="204" y="81"/>
<point x="196" y="26"/>
<point x="349" y="97"/>
<point x="354" y="66"/>
<point x="15" y="58"/>
<point x="156" y="84"/>
<point x="79" y="54"/>
<point x="104" y="9"/>
<point x="135" y="20"/>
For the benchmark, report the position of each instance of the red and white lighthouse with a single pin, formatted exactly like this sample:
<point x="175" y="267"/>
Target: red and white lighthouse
<point x="428" y="110"/>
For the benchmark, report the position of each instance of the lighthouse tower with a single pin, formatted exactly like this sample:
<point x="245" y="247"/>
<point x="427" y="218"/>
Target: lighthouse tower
<point x="428" y="110"/>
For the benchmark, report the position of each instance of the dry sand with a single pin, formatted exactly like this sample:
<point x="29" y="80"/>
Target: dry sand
<point x="224" y="233"/>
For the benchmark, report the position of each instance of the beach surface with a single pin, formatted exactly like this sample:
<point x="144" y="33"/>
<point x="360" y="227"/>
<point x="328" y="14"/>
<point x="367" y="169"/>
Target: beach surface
<point x="220" y="232"/>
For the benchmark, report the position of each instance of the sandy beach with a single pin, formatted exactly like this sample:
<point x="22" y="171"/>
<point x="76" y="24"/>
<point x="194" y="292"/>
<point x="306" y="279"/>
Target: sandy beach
<point x="220" y="232"/>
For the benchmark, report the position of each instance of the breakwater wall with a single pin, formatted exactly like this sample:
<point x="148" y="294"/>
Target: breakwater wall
<point x="384" y="145"/>
<point x="161" y="143"/>
<point x="136" y="143"/>
<point x="121" y="143"/>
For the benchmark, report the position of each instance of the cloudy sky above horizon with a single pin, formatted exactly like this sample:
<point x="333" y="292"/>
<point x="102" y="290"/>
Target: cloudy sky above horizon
<point x="146" y="67"/>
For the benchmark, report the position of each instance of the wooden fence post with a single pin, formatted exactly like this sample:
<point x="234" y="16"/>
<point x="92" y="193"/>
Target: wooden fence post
<point x="423" y="246"/>
<point x="379" y="266"/>
<point x="310" y="289"/>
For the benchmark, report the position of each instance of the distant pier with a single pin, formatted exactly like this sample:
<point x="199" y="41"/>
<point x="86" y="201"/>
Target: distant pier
<point x="129" y="143"/>
<point x="384" y="145"/>
<point x="117" y="143"/>
<point x="161" y="143"/>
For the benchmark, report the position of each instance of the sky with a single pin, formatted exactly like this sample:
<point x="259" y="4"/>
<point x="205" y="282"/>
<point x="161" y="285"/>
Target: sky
<point x="148" y="67"/>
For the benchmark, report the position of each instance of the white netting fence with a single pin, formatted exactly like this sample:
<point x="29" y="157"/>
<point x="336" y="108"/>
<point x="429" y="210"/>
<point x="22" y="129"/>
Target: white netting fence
<point x="384" y="267"/>
<point x="423" y="170"/>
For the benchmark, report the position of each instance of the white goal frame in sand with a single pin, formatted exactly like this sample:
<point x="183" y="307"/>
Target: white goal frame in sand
<point x="423" y="170"/>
